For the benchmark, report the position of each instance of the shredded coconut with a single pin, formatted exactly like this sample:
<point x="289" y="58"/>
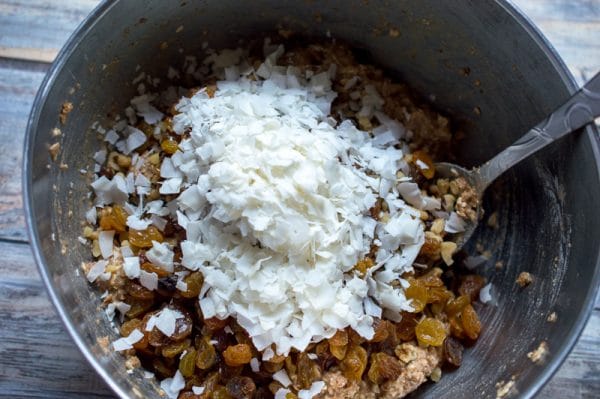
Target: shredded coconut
<point x="165" y="321"/>
<point x="277" y="204"/>
<point x="126" y="343"/>
<point x="172" y="386"/>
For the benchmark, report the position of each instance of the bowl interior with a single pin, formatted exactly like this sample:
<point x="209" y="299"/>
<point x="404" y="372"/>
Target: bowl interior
<point x="478" y="62"/>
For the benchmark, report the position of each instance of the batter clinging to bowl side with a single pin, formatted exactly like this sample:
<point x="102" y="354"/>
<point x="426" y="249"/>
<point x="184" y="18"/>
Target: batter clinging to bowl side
<point x="280" y="231"/>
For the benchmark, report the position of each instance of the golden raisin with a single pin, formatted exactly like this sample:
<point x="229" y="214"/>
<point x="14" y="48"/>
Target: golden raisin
<point x="194" y="284"/>
<point x="432" y="278"/>
<point x="455" y="306"/>
<point x="430" y="331"/>
<point x="438" y="295"/>
<point x="307" y="371"/>
<point x="470" y="285"/>
<point x="169" y="146"/>
<point x="144" y="238"/>
<point x="187" y="364"/>
<point x="381" y="330"/>
<point x="417" y="293"/>
<point x="206" y="355"/>
<point x="128" y="327"/>
<point x="237" y="355"/>
<point x="220" y="392"/>
<point x="114" y="218"/>
<point x="470" y="322"/>
<point x="432" y="246"/>
<point x="175" y="348"/>
<point x="456" y="328"/>
<point x="214" y="324"/>
<point x="152" y="268"/>
<point x="136" y="291"/>
<point x="405" y="329"/>
<point x="354" y="364"/>
<point x="424" y="164"/>
<point x="211" y="90"/>
<point x="339" y="352"/>
<point x="340" y="338"/>
<point x="363" y="265"/>
<point x="139" y="307"/>
<point x="383" y="367"/>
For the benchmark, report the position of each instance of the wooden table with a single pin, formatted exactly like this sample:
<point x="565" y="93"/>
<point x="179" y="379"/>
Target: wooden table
<point x="37" y="357"/>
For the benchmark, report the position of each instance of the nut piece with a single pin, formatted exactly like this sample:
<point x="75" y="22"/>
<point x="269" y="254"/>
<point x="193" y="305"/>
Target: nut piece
<point x="447" y="250"/>
<point x="524" y="279"/>
<point x="437" y="227"/>
<point x="53" y="150"/>
<point x="552" y="317"/>
<point x="64" y="111"/>
<point x="538" y="355"/>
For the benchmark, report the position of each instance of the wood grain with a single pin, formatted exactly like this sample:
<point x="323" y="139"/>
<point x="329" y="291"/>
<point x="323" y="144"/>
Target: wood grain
<point x="40" y="25"/>
<point x="573" y="28"/>
<point x="19" y="82"/>
<point x="39" y="360"/>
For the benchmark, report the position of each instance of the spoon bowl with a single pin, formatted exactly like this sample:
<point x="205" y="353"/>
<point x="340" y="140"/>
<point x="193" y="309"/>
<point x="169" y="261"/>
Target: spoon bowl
<point x="579" y="110"/>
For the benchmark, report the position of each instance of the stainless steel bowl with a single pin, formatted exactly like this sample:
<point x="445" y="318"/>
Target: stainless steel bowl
<point x="482" y="62"/>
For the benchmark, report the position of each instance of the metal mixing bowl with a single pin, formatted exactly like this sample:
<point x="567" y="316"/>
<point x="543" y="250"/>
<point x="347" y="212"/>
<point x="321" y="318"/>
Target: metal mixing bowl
<point x="480" y="62"/>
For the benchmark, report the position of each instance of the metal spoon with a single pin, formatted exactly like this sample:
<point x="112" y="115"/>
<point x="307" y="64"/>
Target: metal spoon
<point x="579" y="110"/>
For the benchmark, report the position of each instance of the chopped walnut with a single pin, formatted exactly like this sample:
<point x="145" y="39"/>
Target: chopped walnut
<point x="524" y="279"/>
<point x="64" y="111"/>
<point x="504" y="389"/>
<point x="53" y="150"/>
<point x="467" y="201"/>
<point x="538" y="355"/>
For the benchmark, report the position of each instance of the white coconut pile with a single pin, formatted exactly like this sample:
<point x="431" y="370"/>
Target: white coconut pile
<point x="275" y="197"/>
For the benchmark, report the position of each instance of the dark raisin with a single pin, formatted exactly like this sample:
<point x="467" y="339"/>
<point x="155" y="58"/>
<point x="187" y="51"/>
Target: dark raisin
<point x="166" y="285"/>
<point x="453" y="351"/>
<point x="471" y="285"/>
<point x="241" y="387"/>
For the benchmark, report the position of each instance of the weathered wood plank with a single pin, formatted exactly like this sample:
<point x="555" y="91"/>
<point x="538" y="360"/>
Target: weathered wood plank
<point x="40" y="360"/>
<point x="38" y="357"/>
<point x="18" y="84"/>
<point x="40" y="24"/>
<point x="573" y="28"/>
<point x="578" y="376"/>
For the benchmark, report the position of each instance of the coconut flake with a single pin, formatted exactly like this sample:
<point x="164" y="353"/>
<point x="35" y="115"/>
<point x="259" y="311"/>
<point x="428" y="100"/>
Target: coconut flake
<point x="105" y="241"/>
<point x="486" y="294"/>
<point x="164" y="321"/>
<point x="148" y="280"/>
<point x="131" y="266"/>
<point x="315" y="388"/>
<point x="91" y="216"/>
<point x="172" y="386"/>
<point x="161" y="255"/>
<point x="198" y="390"/>
<point x="126" y="343"/>
<point x="282" y="393"/>
<point x="282" y="377"/>
<point x="171" y="186"/>
<point x="255" y="365"/>
<point x="454" y="224"/>
<point x="110" y="191"/>
<point x="96" y="270"/>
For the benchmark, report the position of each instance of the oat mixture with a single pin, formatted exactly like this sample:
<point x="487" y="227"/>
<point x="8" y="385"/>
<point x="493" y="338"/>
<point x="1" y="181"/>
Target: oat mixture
<point x="278" y="230"/>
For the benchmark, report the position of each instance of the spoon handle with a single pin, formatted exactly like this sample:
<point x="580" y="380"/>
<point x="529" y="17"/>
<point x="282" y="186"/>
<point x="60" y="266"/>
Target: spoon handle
<point x="579" y="110"/>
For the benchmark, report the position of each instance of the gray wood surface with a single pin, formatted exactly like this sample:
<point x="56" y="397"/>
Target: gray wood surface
<point x="37" y="357"/>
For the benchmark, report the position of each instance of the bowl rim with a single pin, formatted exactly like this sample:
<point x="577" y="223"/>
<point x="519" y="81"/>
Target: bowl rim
<point x="84" y="28"/>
